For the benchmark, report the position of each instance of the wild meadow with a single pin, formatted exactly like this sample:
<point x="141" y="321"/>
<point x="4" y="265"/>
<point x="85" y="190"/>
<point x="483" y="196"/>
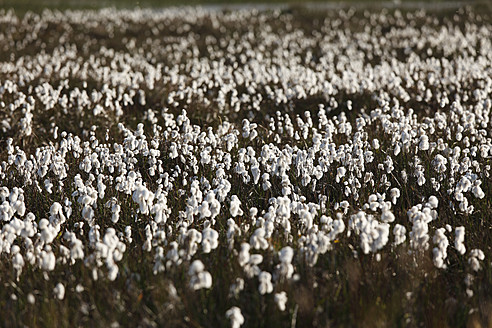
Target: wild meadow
<point x="194" y="167"/>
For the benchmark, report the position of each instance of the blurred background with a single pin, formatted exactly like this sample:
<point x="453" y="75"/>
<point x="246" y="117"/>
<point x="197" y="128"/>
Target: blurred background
<point x="38" y="5"/>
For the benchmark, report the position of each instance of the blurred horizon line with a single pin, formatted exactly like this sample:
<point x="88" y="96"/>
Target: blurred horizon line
<point x="39" y="5"/>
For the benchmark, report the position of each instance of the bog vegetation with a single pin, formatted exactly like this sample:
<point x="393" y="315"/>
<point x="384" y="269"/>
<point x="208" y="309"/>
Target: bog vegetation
<point x="203" y="168"/>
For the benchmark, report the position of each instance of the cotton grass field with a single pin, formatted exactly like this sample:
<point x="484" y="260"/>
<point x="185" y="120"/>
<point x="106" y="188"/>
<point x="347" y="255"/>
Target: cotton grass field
<point x="200" y="167"/>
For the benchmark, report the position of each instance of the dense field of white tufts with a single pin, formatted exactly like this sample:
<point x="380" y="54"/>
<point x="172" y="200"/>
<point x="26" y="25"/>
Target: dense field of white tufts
<point x="284" y="167"/>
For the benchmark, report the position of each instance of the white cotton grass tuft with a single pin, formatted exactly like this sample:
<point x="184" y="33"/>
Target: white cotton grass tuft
<point x="235" y="208"/>
<point x="476" y="255"/>
<point x="31" y="299"/>
<point x="399" y="232"/>
<point x="265" y="286"/>
<point x="199" y="278"/>
<point x="285" y="268"/>
<point x="281" y="300"/>
<point x="440" y="251"/>
<point x="460" y="239"/>
<point x="144" y="198"/>
<point x="209" y="240"/>
<point x="235" y="316"/>
<point x="59" y="291"/>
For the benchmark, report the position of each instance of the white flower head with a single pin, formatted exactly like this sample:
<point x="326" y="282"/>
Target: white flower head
<point x="59" y="291"/>
<point x="400" y="234"/>
<point x="235" y="206"/>
<point x="209" y="239"/>
<point x="265" y="286"/>
<point x="476" y="255"/>
<point x="460" y="239"/>
<point x="235" y="316"/>
<point x="286" y="254"/>
<point x="199" y="277"/>
<point x="281" y="300"/>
